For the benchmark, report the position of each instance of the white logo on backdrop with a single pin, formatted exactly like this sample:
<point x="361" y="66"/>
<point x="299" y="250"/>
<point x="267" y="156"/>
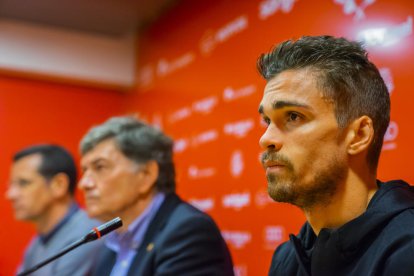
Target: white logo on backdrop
<point x="390" y="136"/>
<point x="180" y="145"/>
<point x="146" y="75"/>
<point x="180" y="114"/>
<point x="236" y="163"/>
<point x="240" y="270"/>
<point x="238" y="239"/>
<point x="205" y="137"/>
<point x="230" y="94"/>
<point x="239" y="129"/>
<point x="351" y="7"/>
<point x="386" y="36"/>
<point x="165" y="67"/>
<point x="157" y="121"/>
<point x="270" y="7"/>
<point x="196" y="173"/>
<point x="262" y="199"/>
<point x="273" y="236"/>
<point x="236" y="201"/>
<point x="211" y="38"/>
<point x="388" y="79"/>
<point x="205" y="105"/>
<point x="204" y="205"/>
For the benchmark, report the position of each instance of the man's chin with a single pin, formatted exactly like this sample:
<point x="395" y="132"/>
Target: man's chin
<point x="280" y="195"/>
<point x="98" y="216"/>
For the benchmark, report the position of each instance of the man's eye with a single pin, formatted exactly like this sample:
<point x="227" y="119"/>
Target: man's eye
<point x="23" y="182"/>
<point x="293" y="117"/>
<point x="266" y="121"/>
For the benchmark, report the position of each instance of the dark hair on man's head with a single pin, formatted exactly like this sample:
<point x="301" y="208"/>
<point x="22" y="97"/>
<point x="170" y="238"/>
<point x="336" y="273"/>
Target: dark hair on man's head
<point x="344" y="74"/>
<point x="55" y="159"/>
<point x="140" y="143"/>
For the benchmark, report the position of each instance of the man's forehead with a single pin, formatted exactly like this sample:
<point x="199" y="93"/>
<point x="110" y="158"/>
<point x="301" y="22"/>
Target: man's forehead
<point x="105" y="150"/>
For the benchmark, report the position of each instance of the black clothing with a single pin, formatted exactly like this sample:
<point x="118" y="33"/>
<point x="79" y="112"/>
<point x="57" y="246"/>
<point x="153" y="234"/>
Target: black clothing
<point x="180" y="240"/>
<point x="378" y="242"/>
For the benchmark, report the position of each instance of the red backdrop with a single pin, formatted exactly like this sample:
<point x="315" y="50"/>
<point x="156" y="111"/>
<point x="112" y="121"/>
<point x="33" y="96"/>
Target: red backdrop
<point x="198" y="82"/>
<point x="36" y="112"/>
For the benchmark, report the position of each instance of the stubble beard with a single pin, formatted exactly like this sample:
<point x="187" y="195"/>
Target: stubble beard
<point x="289" y="188"/>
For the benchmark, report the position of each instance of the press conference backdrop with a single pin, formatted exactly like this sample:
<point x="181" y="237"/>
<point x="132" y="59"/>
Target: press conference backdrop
<point x="198" y="82"/>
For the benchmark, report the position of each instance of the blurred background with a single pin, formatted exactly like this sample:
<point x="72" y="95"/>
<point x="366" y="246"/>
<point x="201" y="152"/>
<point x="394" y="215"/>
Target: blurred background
<point x="187" y="67"/>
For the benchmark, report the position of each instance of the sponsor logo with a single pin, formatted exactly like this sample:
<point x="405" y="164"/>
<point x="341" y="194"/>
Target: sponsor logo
<point x="388" y="79"/>
<point x="196" y="173"/>
<point x="390" y="136"/>
<point x="239" y="129"/>
<point x="165" y="67"/>
<point x="205" y="105"/>
<point x="236" y="163"/>
<point x="204" y="205"/>
<point x="146" y="76"/>
<point x="240" y="270"/>
<point x="211" y="38"/>
<point x="237" y="239"/>
<point x="180" y="145"/>
<point x="262" y="198"/>
<point x="273" y="236"/>
<point x="270" y="7"/>
<point x="386" y="36"/>
<point x="205" y="137"/>
<point x="180" y="114"/>
<point x="236" y="201"/>
<point x="351" y="7"/>
<point x="230" y="94"/>
<point x="157" y="121"/>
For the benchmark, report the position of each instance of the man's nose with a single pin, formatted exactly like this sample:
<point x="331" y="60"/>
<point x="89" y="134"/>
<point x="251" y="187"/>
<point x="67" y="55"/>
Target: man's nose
<point x="271" y="138"/>
<point x="86" y="182"/>
<point x="11" y="192"/>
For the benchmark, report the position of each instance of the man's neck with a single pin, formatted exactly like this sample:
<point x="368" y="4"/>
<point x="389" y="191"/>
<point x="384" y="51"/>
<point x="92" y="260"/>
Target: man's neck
<point x="350" y="201"/>
<point x="134" y="210"/>
<point x="52" y="216"/>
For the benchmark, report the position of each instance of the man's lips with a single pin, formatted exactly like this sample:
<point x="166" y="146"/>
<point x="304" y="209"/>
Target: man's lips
<point x="273" y="167"/>
<point x="91" y="198"/>
<point x="271" y="164"/>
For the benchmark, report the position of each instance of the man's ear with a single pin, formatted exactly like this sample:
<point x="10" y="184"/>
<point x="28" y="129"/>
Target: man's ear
<point x="59" y="185"/>
<point x="149" y="174"/>
<point x="360" y="135"/>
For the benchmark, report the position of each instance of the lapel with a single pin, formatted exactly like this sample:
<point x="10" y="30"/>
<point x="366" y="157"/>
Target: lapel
<point x="171" y="201"/>
<point x="106" y="262"/>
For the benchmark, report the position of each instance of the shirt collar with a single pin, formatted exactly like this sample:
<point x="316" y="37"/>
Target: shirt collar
<point x="72" y="210"/>
<point x="136" y="230"/>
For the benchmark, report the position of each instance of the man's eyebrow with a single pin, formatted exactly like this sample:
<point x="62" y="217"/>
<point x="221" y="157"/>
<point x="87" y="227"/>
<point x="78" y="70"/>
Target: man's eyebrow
<point x="260" y="109"/>
<point x="283" y="104"/>
<point x="93" y="162"/>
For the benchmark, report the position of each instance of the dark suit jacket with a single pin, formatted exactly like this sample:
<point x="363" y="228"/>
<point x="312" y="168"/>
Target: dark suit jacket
<point x="180" y="240"/>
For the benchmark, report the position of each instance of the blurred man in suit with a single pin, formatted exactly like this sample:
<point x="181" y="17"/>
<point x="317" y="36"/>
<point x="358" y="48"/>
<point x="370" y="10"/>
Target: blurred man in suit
<point x="128" y="171"/>
<point x="42" y="187"/>
<point x="327" y="109"/>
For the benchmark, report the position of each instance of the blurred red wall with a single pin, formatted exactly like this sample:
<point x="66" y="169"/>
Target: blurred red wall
<point x="37" y="112"/>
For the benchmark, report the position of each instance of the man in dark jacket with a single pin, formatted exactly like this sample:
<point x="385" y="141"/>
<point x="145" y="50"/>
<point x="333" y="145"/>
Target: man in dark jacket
<point x="128" y="171"/>
<point x="327" y="109"/>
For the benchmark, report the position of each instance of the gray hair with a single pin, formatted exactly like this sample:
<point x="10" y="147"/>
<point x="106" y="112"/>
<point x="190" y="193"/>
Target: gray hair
<point x="139" y="142"/>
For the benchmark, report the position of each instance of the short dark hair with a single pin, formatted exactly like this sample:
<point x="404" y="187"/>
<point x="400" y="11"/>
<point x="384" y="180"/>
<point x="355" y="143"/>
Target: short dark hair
<point x="140" y="143"/>
<point x="345" y="76"/>
<point x="55" y="159"/>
